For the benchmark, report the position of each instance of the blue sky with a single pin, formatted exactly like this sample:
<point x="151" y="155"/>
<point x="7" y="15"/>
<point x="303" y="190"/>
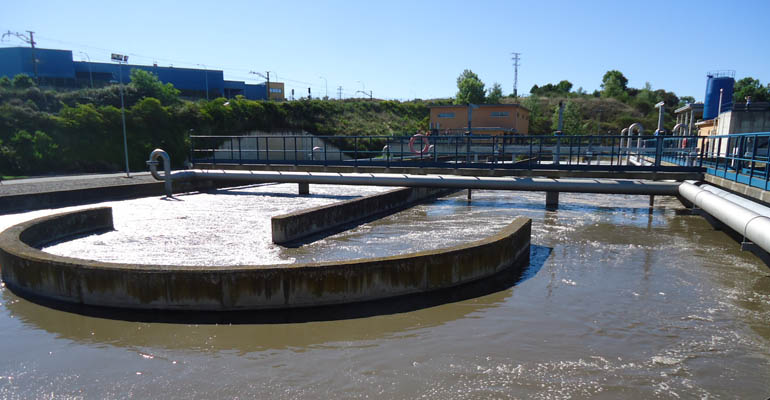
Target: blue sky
<point x="416" y="49"/>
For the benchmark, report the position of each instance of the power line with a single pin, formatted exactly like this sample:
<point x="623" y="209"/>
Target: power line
<point x="232" y="72"/>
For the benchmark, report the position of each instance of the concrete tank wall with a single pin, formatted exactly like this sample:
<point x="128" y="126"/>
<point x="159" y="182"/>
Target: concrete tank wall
<point x="26" y="270"/>
<point x="298" y="225"/>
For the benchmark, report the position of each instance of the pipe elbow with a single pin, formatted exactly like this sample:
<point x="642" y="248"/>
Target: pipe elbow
<point x="153" y="164"/>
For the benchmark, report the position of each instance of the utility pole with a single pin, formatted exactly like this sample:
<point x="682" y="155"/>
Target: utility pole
<point x="369" y="93"/>
<point x="29" y="40"/>
<point x="267" y="87"/>
<point x="516" y="64"/>
<point x="339" y="92"/>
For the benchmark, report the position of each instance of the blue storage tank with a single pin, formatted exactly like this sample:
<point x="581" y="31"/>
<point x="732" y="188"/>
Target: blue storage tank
<point x="717" y="81"/>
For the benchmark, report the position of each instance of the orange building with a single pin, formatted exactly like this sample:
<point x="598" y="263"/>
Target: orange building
<point x="276" y="91"/>
<point x="486" y="119"/>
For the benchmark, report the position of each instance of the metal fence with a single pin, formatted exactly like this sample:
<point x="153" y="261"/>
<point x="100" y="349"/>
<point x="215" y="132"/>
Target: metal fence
<point x="462" y="151"/>
<point x="743" y="158"/>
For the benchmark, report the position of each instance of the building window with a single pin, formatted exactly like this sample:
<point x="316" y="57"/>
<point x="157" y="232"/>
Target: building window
<point x="275" y="90"/>
<point x="446" y="115"/>
<point x="499" y="113"/>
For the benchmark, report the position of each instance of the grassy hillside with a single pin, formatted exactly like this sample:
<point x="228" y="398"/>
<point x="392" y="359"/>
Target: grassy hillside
<point x="44" y="131"/>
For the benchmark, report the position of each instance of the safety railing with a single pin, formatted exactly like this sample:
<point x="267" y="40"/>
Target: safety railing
<point x="743" y="158"/>
<point x="639" y="153"/>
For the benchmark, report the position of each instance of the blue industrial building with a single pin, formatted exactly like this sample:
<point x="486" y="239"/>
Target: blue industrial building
<point x="56" y="68"/>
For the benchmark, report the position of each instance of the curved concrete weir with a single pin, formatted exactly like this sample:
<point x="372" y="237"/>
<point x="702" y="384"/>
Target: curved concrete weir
<point x="29" y="271"/>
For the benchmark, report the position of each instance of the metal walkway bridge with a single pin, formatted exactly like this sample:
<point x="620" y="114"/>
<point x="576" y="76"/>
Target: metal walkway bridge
<point x="742" y="158"/>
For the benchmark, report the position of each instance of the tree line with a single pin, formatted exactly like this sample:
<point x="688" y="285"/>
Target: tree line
<point x="44" y="131"/>
<point x="606" y="111"/>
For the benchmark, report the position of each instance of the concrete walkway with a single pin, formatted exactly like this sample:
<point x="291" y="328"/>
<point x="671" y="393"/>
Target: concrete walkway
<point x="58" y="191"/>
<point x="70" y="182"/>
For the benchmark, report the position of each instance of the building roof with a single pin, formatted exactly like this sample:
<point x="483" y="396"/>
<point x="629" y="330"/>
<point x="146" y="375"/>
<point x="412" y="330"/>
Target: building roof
<point x="482" y="105"/>
<point x="688" y="107"/>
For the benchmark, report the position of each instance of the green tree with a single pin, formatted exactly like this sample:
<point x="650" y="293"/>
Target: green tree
<point x="645" y="99"/>
<point x="749" y="86"/>
<point x="148" y="85"/>
<point x="614" y="84"/>
<point x="22" y="81"/>
<point x="495" y="94"/>
<point x="5" y="82"/>
<point x="549" y="89"/>
<point x="470" y="89"/>
<point x="573" y="119"/>
<point x="539" y="120"/>
<point x="685" y="100"/>
<point x="32" y="152"/>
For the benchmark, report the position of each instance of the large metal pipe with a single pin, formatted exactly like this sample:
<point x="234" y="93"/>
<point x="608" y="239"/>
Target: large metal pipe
<point x="661" y="107"/>
<point x="639" y="129"/>
<point x="751" y="225"/>
<point x="153" y="164"/>
<point x="610" y="186"/>
<point x="680" y="129"/>
<point x="741" y="201"/>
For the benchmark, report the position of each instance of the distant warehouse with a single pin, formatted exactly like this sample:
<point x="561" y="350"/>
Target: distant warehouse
<point x="56" y="68"/>
<point x="486" y="119"/>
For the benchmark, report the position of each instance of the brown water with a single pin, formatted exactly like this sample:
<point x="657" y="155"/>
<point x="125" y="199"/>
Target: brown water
<point x="627" y="305"/>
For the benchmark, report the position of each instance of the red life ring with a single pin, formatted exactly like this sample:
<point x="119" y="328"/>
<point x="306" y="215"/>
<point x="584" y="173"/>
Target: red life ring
<point x="425" y="143"/>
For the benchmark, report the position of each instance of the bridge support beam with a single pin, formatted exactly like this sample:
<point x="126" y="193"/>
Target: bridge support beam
<point x="652" y="200"/>
<point x="469" y="195"/>
<point x="304" y="189"/>
<point x="551" y="200"/>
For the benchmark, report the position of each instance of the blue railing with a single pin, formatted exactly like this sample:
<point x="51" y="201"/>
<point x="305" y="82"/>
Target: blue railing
<point x="613" y="153"/>
<point x="743" y="158"/>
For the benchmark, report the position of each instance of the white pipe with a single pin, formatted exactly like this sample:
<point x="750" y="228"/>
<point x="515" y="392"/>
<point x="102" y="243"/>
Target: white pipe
<point x="748" y="223"/>
<point x="610" y="186"/>
<point x="741" y="201"/>
<point x="639" y="129"/>
<point x="680" y="128"/>
<point x="153" y="163"/>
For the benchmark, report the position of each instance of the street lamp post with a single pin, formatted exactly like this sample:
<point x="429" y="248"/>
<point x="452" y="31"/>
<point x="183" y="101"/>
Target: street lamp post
<point x="120" y="59"/>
